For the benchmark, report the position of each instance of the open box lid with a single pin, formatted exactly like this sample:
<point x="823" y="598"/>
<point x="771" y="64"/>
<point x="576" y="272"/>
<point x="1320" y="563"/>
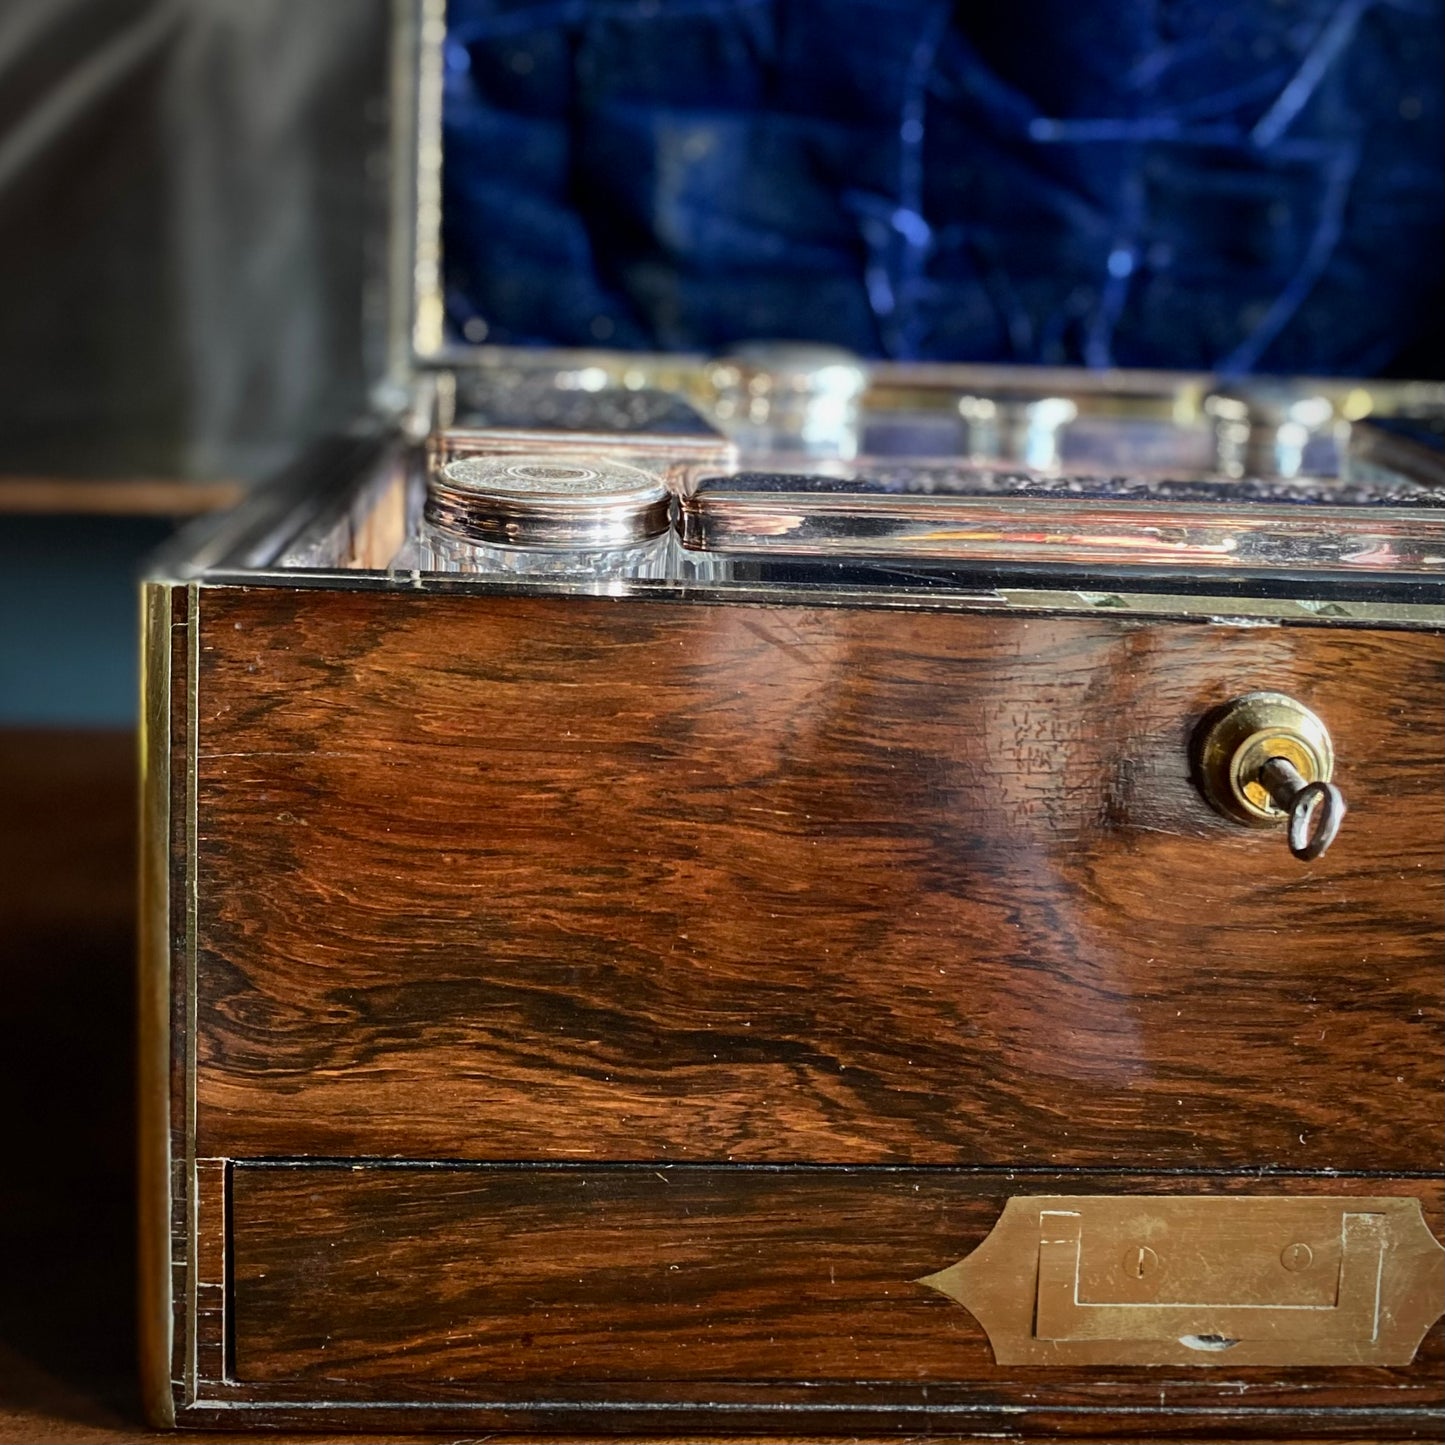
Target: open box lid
<point x="914" y="183"/>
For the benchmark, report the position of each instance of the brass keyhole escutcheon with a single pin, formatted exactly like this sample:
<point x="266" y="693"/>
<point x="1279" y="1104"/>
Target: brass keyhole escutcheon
<point x="1266" y="759"/>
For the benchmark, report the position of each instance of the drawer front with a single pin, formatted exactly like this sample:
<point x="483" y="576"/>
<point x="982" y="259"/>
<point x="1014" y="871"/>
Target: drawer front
<point x="562" y="880"/>
<point x="808" y="1291"/>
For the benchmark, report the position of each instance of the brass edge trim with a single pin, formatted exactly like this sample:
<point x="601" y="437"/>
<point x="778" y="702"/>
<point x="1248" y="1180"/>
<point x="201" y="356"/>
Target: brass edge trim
<point x="396" y="268"/>
<point x="1233" y="611"/>
<point x="1182" y="392"/>
<point x="401" y="194"/>
<point x="193" y="674"/>
<point x="154" y="1299"/>
<point x="426" y="57"/>
<point x="1002" y="597"/>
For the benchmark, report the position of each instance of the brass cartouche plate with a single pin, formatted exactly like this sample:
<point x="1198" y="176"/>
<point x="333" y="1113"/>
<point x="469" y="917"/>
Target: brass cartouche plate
<point x="1203" y="1280"/>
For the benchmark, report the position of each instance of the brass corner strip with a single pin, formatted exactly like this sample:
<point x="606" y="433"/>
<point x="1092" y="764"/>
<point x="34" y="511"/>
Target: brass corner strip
<point x="156" y="1292"/>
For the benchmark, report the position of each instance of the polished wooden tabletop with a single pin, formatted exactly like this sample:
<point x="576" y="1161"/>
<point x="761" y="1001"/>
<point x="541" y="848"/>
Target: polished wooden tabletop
<point x="67" y="1218"/>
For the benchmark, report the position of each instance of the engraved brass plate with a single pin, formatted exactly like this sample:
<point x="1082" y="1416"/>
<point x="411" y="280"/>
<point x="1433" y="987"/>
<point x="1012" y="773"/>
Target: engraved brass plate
<point x="1203" y="1280"/>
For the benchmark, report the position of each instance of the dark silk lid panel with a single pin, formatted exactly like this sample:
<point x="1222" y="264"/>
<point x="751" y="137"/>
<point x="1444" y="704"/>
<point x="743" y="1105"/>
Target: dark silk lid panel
<point x="1242" y="186"/>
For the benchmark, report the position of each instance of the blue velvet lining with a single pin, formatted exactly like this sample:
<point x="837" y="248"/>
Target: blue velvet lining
<point x="1232" y="184"/>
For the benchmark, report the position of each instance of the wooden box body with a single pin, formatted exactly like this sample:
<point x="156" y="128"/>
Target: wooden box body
<point x="603" y="1006"/>
<point x="575" y="1014"/>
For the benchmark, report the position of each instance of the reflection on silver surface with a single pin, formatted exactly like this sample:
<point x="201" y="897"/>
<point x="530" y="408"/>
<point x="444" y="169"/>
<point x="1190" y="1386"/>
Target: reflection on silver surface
<point x="1388" y="450"/>
<point x="884" y="477"/>
<point x="580" y="411"/>
<point x="943" y="512"/>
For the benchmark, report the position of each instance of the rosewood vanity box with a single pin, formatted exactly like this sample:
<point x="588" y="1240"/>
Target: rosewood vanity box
<point x="772" y="896"/>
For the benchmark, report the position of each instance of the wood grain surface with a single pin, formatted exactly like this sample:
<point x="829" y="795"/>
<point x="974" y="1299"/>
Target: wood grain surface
<point x="67" y="1301"/>
<point x="769" y="1285"/>
<point x="499" y="878"/>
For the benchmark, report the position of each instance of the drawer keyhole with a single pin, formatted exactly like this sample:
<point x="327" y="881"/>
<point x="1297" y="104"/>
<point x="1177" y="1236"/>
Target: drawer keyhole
<point x="1266" y="759"/>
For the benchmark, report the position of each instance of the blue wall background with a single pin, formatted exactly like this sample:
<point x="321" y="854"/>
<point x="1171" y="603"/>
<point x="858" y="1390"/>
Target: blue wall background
<point x="69" y="618"/>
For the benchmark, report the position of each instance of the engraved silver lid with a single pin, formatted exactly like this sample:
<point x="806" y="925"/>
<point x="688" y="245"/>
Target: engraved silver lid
<point x="548" y="501"/>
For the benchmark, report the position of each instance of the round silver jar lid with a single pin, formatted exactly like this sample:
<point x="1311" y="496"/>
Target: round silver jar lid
<point x="548" y="501"/>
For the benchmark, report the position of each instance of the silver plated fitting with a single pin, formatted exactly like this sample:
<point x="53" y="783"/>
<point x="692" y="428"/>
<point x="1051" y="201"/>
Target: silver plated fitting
<point x="789" y="397"/>
<point x="1026" y="430"/>
<point x="1272" y="432"/>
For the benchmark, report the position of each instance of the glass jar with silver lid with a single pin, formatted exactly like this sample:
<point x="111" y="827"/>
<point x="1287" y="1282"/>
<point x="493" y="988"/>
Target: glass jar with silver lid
<point x="549" y="515"/>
